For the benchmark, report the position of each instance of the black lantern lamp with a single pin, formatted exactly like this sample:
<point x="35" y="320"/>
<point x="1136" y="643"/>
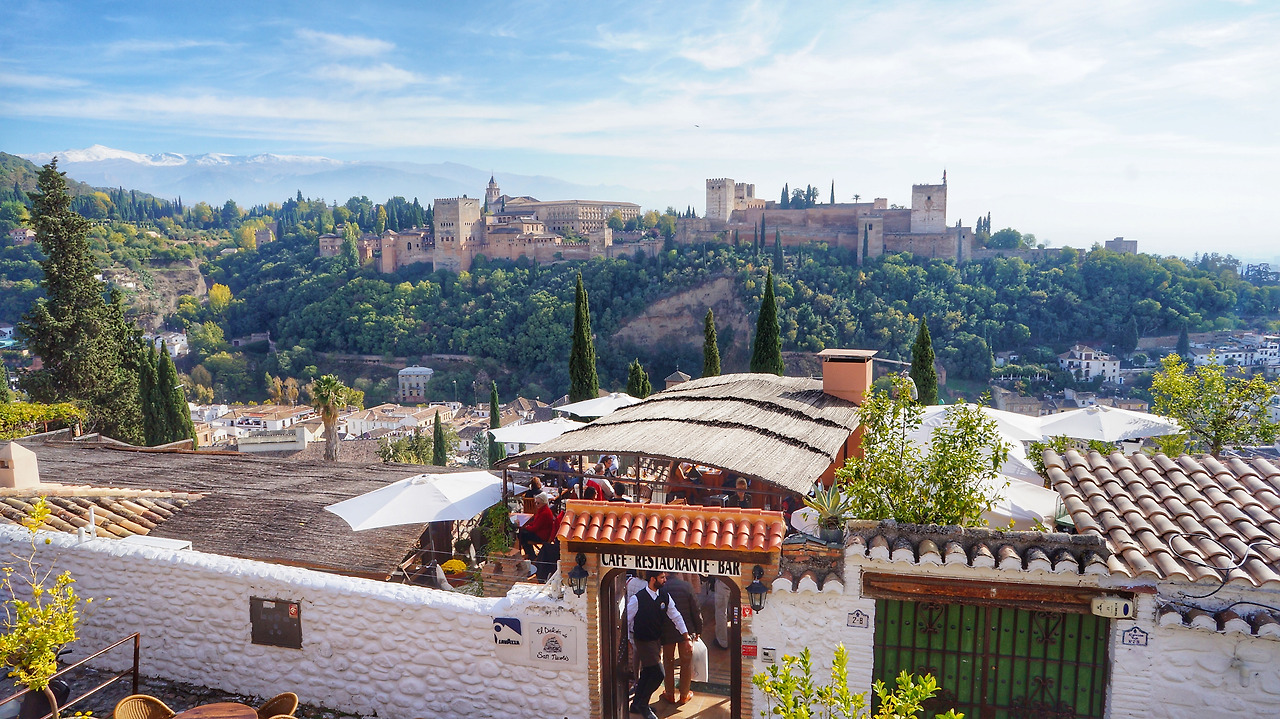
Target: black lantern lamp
<point x="578" y="575"/>
<point x="755" y="590"/>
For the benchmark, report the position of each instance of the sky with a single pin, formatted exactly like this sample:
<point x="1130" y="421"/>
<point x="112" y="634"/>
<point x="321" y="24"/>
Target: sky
<point x="1076" y="121"/>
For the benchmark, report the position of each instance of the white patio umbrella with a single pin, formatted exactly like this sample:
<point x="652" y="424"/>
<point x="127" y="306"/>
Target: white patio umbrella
<point x="1022" y="503"/>
<point x="600" y="406"/>
<point x="535" y="432"/>
<point x="1016" y="427"/>
<point x="422" y="498"/>
<point x="1108" y="424"/>
<point x="1016" y="466"/>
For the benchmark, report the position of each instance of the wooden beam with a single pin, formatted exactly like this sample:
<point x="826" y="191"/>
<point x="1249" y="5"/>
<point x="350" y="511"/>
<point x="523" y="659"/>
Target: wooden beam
<point x="1074" y="600"/>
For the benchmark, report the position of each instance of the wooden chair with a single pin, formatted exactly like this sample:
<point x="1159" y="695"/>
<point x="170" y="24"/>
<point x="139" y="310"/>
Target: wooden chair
<point x="280" y="705"/>
<point x="142" y="706"/>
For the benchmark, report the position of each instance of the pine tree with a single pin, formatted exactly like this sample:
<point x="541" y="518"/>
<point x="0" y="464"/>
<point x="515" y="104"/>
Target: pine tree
<point x="766" y="353"/>
<point x="177" y="422"/>
<point x="922" y="371"/>
<point x="1184" y="342"/>
<point x="777" y="248"/>
<point x="584" y="383"/>
<point x="84" y="341"/>
<point x="638" y="384"/>
<point x="710" y="347"/>
<point x="439" y="451"/>
<point x="496" y="449"/>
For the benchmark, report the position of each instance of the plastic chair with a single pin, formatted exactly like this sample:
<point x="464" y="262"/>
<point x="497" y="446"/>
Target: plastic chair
<point x="142" y="706"/>
<point x="280" y="705"/>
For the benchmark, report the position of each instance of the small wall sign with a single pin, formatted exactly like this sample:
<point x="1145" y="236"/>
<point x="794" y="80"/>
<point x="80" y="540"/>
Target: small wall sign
<point x="685" y="565"/>
<point x="506" y="632"/>
<point x="749" y="647"/>
<point x="768" y="655"/>
<point x="275" y="622"/>
<point x="553" y="644"/>
<point x="859" y="620"/>
<point x="1134" y="637"/>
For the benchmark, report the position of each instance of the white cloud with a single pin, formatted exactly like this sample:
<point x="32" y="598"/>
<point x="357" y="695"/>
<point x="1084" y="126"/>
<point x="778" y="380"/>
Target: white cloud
<point x="37" y="81"/>
<point x="377" y="77"/>
<point x="139" y="45"/>
<point x="345" y="45"/>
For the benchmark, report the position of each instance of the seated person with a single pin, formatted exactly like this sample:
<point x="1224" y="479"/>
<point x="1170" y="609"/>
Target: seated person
<point x="535" y="488"/>
<point x="740" y="496"/>
<point x="539" y="529"/>
<point x="608" y="466"/>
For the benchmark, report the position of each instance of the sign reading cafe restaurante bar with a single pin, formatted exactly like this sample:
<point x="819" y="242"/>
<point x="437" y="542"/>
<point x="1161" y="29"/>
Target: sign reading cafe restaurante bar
<point x="685" y="565"/>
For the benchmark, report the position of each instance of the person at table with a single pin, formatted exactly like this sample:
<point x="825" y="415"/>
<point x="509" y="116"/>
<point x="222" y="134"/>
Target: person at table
<point x="539" y="529"/>
<point x="535" y="488"/>
<point x="686" y="601"/>
<point x="741" y="497"/>
<point x="608" y="466"/>
<point x="645" y="612"/>
<point x="561" y="464"/>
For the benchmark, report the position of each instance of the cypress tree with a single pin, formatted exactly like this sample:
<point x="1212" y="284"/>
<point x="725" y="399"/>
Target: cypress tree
<point x="584" y="383"/>
<point x="1184" y="341"/>
<point x="777" y="247"/>
<point x="710" y="348"/>
<point x="1129" y="336"/>
<point x="833" y="192"/>
<point x="177" y="417"/>
<point x="766" y="352"/>
<point x="922" y="371"/>
<point x="786" y="197"/>
<point x="638" y="384"/>
<point x="496" y="449"/>
<point x="439" y="452"/>
<point x="153" y="417"/>
<point x="5" y="395"/>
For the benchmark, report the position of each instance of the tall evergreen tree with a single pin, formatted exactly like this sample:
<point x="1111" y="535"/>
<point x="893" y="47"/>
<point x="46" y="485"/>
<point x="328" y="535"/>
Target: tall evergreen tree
<point x="5" y="394"/>
<point x="439" y="451"/>
<point x="922" y="371"/>
<point x="584" y="382"/>
<point x="638" y="384"/>
<point x="833" y="192"/>
<point x="777" y="248"/>
<point x="766" y="352"/>
<point x="496" y="449"/>
<point x="1184" y="342"/>
<point x="173" y="399"/>
<point x="1129" y="336"/>
<point x="153" y="417"/>
<point x="84" y="341"/>
<point x="710" y="347"/>
<point x="785" y="202"/>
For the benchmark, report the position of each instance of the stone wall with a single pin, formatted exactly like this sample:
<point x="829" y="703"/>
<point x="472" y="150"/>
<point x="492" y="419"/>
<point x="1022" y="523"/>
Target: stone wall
<point x="368" y="647"/>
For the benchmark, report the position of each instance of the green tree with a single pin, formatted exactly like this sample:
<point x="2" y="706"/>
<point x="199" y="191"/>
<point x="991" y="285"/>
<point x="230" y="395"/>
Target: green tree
<point x="84" y="341"/>
<point x="922" y="371"/>
<point x="766" y="353"/>
<point x="785" y="202"/>
<point x="329" y="397"/>
<point x="439" y="448"/>
<point x="349" y="256"/>
<point x="380" y="224"/>
<point x="615" y="221"/>
<point x="1184" y="342"/>
<point x="153" y="416"/>
<point x="1217" y="407"/>
<point x="584" y="383"/>
<point x="219" y="298"/>
<point x="1129" y="336"/>
<point x="5" y="394"/>
<point x="777" y="248"/>
<point x="710" y="348"/>
<point x="944" y="483"/>
<point x="177" y="416"/>
<point x="638" y="384"/>
<point x="496" y="449"/>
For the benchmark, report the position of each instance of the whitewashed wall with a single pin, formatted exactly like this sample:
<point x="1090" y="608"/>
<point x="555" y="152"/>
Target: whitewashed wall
<point x="403" y="652"/>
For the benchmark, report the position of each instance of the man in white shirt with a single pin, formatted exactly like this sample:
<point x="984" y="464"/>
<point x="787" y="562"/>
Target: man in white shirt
<point x="645" y="610"/>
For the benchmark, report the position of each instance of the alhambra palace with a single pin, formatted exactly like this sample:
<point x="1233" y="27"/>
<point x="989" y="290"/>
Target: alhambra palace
<point x="506" y="227"/>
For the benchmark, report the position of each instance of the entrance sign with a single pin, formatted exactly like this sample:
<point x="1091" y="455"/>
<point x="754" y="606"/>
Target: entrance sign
<point x="553" y="644"/>
<point x="683" y="565"/>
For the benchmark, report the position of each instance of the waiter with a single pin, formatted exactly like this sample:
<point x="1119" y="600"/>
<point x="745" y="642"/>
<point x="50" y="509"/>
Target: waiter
<point x="645" y="611"/>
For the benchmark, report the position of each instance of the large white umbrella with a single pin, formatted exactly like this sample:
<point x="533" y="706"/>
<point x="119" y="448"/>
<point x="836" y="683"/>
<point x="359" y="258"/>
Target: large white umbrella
<point x="535" y="432"/>
<point x="1016" y="427"/>
<point x="1108" y="424"/>
<point x="1022" y="503"/>
<point x="600" y="406"/>
<point x="1016" y="465"/>
<point x="420" y="499"/>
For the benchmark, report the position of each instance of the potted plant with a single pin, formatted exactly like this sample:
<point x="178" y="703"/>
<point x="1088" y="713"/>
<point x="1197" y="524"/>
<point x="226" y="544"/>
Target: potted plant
<point x="455" y="570"/>
<point x="833" y="507"/>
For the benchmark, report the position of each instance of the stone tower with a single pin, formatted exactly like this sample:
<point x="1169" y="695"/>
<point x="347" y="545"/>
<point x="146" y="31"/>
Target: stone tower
<point x="928" y="209"/>
<point x="720" y="196"/>
<point x="491" y="195"/>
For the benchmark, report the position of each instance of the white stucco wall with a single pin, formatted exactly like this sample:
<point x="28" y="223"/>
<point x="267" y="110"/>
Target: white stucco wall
<point x="402" y="652"/>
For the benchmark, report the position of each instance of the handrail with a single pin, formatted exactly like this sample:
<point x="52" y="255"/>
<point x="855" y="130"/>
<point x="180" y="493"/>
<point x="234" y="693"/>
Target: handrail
<point x="136" y="638"/>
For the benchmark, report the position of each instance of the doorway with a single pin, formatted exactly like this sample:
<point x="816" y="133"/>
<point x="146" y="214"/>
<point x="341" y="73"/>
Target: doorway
<point x="720" y="697"/>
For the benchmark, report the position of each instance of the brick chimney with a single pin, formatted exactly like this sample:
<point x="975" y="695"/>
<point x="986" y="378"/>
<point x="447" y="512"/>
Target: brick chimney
<point x="846" y="373"/>
<point x="18" y="467"/>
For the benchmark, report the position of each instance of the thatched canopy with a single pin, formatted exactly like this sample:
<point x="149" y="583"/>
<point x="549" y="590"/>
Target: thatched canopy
<point x="783" y="430"/>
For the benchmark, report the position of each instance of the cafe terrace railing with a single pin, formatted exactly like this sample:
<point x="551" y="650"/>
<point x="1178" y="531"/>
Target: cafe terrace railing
<point x="132" y="672"/>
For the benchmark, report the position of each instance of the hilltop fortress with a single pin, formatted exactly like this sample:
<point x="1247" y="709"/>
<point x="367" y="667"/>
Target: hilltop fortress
<point x="870" y="229"/>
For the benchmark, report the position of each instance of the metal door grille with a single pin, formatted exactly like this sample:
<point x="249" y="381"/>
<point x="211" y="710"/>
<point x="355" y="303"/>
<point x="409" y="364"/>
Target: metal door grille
<point x="997" y="662"/>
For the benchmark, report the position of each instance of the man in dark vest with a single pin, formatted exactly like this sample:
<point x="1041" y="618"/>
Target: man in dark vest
<point x="645" y="612"/>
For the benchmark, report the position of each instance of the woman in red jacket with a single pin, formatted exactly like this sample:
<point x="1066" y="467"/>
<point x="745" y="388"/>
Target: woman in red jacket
<point x="539" y="529"/>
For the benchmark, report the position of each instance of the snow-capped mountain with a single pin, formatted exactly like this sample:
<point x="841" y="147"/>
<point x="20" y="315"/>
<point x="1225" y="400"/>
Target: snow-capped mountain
<point x="254" y="179"/>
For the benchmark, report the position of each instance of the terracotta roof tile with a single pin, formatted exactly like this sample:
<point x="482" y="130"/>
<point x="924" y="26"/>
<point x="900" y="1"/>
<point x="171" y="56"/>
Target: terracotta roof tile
<point x="117" y="513"/>
<point x="976" y="547"/>
<point x="1168" y="517"/>
<point x="665" y="525"/>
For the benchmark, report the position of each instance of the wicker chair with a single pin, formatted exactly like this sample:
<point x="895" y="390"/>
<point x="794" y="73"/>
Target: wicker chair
<point x="281" y="705"/>
<point x="142" y="706"/>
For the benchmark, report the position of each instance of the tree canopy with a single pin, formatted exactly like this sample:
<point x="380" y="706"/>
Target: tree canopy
<point x="710" y="346"/>
<point x="584" y="383"/>
<point x="766" y="353"/>
<point x="638" y="384"/>
<point x="922" y="371"/>
<point x="1216" y="405"/>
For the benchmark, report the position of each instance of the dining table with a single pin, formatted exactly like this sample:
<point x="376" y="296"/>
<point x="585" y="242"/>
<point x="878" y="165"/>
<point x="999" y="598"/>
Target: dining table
<point x="219" y="710"/>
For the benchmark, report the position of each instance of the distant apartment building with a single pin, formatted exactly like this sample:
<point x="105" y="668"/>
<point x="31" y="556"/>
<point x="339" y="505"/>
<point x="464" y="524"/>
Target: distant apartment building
<point x="22" y="236"/>
<point x="412" y="383"/>
<point x="394" y="419"/>
<point x="6" y="331"/>
<point x="1245" y="350"/>
<point x="270" y="417"/>
<point x="1087" y="364"/>
<point x="175" y="343"/>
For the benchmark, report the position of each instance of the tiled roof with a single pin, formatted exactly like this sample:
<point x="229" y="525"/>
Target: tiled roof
<point x="667" y="525"/>
<point x="117" y="513"/>
<point x="1190" y="518"/>
<point x="1260" y="623"/>
<point x="979" y="547"/>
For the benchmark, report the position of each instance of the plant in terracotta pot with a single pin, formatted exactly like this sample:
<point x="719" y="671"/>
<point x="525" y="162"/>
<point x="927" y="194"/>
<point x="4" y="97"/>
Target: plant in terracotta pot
<point x="455" y="570"/>
<point x="834" y="508"/>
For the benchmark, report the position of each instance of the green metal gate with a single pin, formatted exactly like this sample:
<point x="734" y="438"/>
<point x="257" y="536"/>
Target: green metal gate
<point x="997" y="662"/>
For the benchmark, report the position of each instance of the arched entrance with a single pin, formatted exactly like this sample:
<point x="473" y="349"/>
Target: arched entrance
<point x="720" y="697"/>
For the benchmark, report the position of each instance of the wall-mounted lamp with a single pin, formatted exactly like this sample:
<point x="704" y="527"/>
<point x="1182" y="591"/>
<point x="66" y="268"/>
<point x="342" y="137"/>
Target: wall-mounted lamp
<point x="756" y="589"/>
<point x="578" y="575"/>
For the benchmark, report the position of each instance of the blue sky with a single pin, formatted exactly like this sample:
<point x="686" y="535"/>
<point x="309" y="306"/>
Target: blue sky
<point x="1075" y="121"/>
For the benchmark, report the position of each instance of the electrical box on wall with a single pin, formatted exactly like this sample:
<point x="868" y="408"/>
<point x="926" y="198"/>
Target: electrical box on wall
<point x="1114" y="607"/>
<point x="276" y="622"/>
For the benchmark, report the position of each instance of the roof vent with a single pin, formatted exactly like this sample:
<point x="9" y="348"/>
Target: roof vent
<point x="847" y="373"/>
<point x="18" y="467"/>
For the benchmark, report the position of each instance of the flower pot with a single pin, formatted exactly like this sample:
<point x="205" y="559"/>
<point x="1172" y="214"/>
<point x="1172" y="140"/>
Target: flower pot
<point x="831" y="535"/>
<point x="457" y="580"/>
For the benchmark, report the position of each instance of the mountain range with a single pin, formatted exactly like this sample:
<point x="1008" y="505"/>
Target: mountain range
<point x="258" y="179"/>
